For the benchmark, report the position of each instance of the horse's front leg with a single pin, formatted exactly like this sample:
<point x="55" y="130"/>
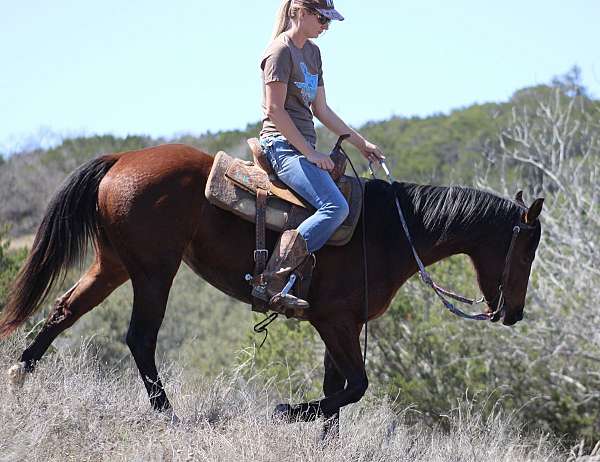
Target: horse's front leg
<point x="343" y="364"/>
<point x="333" y="382"/>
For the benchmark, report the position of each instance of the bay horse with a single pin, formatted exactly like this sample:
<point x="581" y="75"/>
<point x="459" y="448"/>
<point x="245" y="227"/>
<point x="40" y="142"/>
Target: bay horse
<point x="145" y="212"/>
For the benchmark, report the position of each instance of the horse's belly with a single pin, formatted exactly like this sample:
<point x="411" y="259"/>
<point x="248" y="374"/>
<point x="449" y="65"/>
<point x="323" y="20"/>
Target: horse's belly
<point x="229" y="280"/>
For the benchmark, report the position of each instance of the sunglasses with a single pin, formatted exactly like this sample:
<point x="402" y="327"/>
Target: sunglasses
<point x="322" y="19"/>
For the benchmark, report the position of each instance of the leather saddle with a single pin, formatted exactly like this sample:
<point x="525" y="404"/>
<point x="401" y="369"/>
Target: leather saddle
<point x="252" y="191"/>
<point x="233" y="185"/>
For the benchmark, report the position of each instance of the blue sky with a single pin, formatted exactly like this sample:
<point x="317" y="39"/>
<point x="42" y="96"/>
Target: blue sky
<point x="161" y="68"/>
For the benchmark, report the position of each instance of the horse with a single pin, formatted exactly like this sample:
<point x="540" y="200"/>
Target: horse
<point x="145" y="212"/>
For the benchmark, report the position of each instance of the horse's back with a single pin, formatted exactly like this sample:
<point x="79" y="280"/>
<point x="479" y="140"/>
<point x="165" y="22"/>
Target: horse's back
<point x="155" y="171"/>
<point x="165" y="159"/>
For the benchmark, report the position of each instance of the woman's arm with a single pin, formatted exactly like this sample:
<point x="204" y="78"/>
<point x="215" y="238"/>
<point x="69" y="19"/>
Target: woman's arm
<point x="333" y="122"/>
<point x="275" y="95"/>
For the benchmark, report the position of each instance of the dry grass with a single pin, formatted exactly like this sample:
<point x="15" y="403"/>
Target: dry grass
<point x="21" y="242"/>
<point x="73" y="409"/>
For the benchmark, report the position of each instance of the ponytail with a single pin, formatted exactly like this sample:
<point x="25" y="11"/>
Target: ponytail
<point x="283" y="20"/>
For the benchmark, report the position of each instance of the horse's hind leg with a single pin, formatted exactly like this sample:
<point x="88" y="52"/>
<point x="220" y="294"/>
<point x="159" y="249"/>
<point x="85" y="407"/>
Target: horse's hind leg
<point x="104" y="275"/>
<point x="150" y="294"/>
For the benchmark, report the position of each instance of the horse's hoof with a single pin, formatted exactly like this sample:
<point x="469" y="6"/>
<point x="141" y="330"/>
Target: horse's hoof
<point x="168" y="415"/>
<point x="331" y="430"/>
<point x="173" y="419"/>
<point x="282" y="412"/>
<point x="16" y="375"/>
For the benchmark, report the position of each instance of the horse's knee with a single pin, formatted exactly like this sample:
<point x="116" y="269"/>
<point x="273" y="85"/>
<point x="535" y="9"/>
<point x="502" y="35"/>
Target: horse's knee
<point x="358" y="389"/>
<point x="333" y="382"/>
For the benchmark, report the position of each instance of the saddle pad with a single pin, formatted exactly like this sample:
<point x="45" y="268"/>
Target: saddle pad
<point x="232" y="186"/>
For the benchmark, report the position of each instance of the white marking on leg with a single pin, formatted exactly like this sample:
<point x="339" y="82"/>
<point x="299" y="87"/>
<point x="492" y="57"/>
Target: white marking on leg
<point x="16" y="375"/>
<point x="173" y="419"/>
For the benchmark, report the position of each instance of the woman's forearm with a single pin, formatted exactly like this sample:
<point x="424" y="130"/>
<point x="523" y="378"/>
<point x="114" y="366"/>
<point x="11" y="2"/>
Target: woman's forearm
<point x="284" y="124"/>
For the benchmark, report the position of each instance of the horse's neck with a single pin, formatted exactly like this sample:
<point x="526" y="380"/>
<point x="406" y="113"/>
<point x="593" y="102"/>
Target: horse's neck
<point x="433" y="249"/>
<point x="430" y="243"/>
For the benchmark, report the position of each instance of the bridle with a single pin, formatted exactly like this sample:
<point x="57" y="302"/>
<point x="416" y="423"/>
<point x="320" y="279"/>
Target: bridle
<point x="500" y="309"/>
<point x="442" y="293"/>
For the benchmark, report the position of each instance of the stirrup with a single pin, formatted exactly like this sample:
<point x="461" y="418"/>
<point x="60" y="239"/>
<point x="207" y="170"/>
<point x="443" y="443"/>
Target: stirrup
<point x="283" y="304"/>
<point x="284" y="298"/>
<point x="287" y="301"/>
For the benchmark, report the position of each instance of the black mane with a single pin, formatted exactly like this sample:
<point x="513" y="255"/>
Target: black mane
<point x="448" y="211"/>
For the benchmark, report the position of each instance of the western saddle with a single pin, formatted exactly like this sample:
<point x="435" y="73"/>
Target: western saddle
<point x="251" y="190"/>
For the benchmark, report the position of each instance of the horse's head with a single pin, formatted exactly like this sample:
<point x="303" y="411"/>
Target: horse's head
<point x="503" y="263"/>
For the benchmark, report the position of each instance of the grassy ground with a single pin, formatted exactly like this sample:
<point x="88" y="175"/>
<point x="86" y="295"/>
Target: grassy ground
<point x="72" y="408"/>
<point x="21" y="241"/>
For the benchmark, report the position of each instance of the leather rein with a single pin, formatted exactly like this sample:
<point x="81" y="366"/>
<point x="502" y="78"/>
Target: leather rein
<point x="442" y="293"/>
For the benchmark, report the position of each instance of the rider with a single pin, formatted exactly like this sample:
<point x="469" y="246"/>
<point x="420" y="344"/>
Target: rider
<point x="293" y="92"/>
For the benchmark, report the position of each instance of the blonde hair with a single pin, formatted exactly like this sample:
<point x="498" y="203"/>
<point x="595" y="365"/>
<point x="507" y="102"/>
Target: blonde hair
<point x="285" y="14"/>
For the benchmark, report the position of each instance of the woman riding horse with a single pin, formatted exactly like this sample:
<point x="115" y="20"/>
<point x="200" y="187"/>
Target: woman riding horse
<point x="145" y="212"/>
<point x="293" y="92"/>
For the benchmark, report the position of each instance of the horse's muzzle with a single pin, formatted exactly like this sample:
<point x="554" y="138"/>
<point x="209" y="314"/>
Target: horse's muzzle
<point x="512" y="319"/>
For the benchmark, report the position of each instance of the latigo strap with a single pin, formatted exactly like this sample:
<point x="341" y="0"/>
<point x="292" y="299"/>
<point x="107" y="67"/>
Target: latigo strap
<point x="261" y="254"/>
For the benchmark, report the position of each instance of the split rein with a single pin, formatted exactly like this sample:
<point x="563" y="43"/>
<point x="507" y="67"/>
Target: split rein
<point x="443" y="293"/>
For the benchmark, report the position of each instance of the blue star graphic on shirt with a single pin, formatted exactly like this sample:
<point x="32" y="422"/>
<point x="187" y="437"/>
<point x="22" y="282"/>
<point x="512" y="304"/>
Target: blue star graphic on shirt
<point x="309" y="86"/>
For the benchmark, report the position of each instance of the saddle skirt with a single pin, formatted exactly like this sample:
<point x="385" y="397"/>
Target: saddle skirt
<point x="232" y="186"/>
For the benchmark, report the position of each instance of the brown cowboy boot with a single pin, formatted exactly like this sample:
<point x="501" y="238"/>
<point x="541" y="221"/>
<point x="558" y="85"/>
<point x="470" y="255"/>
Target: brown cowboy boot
<point x="289" y="253"/>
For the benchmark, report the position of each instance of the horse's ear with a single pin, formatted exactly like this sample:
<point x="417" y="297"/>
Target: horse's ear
<point x="534" y="211"/>
<point x="519" y="199"/>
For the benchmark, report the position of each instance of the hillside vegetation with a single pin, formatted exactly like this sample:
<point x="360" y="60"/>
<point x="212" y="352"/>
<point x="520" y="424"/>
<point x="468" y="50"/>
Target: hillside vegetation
<point x="76" y="409"/>
<point x="544" y="373"/>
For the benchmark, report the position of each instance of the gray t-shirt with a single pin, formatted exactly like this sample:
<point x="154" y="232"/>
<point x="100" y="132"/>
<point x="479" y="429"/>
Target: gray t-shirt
<point x="302" y="70"/>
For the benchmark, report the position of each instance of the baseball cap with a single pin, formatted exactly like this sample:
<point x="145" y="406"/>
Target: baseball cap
<point x="325" y="7"/>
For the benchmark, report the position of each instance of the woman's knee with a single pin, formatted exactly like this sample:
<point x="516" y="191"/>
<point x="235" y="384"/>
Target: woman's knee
<point x="340" y="210"/>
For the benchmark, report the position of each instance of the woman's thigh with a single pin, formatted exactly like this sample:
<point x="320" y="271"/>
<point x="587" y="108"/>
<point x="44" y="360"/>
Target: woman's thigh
<point x="314" y="184"/>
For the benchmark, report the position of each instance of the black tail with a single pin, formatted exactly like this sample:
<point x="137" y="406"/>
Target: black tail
<point x="71" y="221"/>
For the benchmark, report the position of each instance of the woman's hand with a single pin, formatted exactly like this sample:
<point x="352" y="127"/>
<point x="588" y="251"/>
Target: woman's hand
<point x="371" y="152"/>
<point x="321" y="160"/>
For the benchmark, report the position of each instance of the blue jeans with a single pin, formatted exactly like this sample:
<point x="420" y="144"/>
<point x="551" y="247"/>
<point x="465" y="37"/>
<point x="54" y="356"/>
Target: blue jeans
<point x="314" y="184"/>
